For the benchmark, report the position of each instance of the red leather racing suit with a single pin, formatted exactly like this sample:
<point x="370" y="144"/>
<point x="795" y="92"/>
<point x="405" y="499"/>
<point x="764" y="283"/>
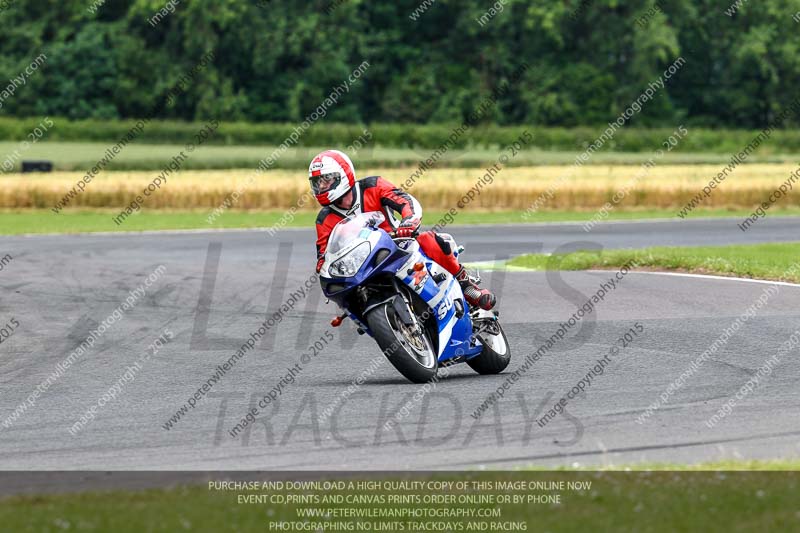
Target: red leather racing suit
<point x="376" y="194"/>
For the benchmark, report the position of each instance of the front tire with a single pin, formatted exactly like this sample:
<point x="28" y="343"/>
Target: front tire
<point x="412" y="355"/>
<point x="496" y="354"/>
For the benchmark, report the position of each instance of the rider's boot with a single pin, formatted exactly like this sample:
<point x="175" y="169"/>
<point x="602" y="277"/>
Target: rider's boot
<point x="476" y="297"/>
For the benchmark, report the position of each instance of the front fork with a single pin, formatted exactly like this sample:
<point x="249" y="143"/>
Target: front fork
<point x="406" y="315"/>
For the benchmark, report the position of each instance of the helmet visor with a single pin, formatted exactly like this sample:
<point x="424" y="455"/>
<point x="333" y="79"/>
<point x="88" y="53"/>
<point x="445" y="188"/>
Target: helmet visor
<point x="325" y="182"/>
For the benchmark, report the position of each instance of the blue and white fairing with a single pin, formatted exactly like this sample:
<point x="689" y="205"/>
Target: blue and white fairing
<point x="445" y="299"/>
<point x="358" y="250"/>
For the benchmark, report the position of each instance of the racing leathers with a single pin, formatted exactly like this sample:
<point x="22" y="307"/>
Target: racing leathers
<point x="374" y="193"/>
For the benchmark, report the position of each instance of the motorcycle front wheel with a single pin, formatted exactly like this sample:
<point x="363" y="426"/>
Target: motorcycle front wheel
<point x="408" y="348"/>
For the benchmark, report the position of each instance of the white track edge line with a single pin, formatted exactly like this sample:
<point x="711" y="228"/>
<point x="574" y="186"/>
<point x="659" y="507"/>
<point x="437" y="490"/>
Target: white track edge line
<point x="707" y="276"/>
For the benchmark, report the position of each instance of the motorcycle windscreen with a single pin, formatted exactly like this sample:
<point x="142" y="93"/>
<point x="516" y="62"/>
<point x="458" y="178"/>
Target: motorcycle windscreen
<point x="349" y="230"/>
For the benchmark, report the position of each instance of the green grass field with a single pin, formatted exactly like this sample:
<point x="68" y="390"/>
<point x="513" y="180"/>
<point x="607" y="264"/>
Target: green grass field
<point x="136" y="156"/>
<point x="20" y="221"/>
<point x="616" y="501"/>
<point x="773" y="261"/>
<point x="732" y="465"/>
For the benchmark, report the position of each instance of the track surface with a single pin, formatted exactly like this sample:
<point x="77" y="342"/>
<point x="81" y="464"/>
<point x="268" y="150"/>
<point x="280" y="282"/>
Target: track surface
<point x="59" y="288"/>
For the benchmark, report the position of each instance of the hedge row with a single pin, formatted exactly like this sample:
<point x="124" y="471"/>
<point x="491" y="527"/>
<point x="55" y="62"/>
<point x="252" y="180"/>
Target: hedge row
<point x="404" y="135"/>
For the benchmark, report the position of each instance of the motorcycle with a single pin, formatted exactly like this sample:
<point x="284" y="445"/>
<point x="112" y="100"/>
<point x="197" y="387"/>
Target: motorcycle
<point x="413" y="308"/>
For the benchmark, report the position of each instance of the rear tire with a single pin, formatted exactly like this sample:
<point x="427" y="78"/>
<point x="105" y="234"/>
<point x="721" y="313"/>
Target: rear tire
<point x="492" y="359"/>
<point x="385" y="328"/>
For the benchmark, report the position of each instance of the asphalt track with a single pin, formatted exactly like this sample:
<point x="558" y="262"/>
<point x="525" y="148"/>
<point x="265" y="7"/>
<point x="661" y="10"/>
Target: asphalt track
<point x="217" y="287"/>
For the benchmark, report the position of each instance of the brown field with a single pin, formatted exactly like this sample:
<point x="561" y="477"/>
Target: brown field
<point x="667" y="186"/>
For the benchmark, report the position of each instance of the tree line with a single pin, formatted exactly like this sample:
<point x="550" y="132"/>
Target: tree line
<point x="276" y="60"/>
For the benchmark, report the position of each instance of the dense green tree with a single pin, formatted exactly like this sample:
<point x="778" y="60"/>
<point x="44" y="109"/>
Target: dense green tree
<point x="277" y="60"/>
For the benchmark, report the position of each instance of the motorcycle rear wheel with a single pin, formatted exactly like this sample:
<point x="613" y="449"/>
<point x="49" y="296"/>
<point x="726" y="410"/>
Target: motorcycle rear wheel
<point x="411" y="353"/>
<point x="496" y="353"/>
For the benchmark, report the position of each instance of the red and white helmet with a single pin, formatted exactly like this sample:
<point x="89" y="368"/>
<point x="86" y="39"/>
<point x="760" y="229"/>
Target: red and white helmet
<point x="331" y="174"/>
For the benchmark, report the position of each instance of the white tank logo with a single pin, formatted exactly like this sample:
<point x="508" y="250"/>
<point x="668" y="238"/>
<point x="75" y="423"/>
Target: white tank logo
<point x="445" y="306"/>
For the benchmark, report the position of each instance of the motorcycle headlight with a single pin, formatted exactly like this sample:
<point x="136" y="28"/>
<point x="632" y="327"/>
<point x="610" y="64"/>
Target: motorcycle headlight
<point x="351" y="262"/>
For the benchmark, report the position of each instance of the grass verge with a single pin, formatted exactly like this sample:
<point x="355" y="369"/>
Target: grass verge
<point x="729" y="465"/>
<point x="776" y="465"/>
<point x="606" y="501"/>
<point x="19" y="221"/>
<point x="83" y="155"/>
<point x="424" y="136"/>
<point x="773" y="261"/>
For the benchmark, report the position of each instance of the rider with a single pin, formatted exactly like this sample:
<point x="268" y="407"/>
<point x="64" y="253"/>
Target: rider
<point x="333" y="182"/>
